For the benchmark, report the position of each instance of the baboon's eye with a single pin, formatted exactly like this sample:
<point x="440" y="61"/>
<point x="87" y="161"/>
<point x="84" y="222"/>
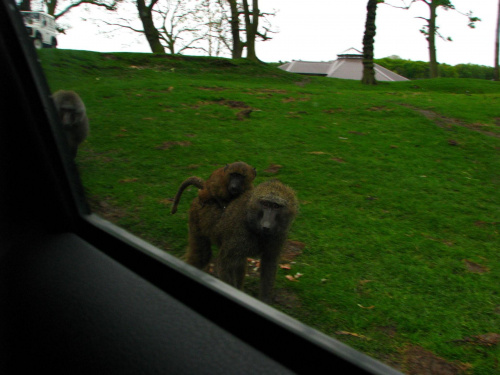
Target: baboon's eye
<point x="270" y="205"/>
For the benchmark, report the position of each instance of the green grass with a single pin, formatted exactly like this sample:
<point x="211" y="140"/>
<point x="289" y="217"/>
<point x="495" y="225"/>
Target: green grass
<point x="393" y="203"/>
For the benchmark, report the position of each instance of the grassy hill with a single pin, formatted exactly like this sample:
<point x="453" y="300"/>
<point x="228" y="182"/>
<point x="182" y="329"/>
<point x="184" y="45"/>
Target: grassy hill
<point x="397" y="237"/>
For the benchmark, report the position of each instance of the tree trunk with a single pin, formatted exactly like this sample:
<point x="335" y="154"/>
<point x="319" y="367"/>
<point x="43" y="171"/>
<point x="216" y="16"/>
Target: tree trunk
<point x="251" y="25"/>
<point x="150" y="31"/>
<point x="51" y="7"/>
<point x="496" y="71"/>
<point x="431" y="38"/>
<point x="368" y="41"/>
<point x="237" y="49"/>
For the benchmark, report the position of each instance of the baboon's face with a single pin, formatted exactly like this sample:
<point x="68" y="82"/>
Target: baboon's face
<point x="269" y="218"/>
<point x="236" y="184"/>
<point x="70" y="117"/>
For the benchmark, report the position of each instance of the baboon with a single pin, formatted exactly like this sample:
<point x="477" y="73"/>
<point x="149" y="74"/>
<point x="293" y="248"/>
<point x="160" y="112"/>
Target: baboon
<point x="73" y="118"/>
<point x="255" y="224"/>
<point x="223" y="185"/>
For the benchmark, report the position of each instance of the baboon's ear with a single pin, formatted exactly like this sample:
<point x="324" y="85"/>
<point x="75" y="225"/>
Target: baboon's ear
<point x="227" y="165"/>
<point x="255" y="171"/>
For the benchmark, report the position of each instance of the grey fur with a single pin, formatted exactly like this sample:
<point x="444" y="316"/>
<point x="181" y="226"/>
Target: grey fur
<point x="73" y="116"/>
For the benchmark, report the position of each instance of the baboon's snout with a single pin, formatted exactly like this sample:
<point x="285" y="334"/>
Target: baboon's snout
<point x="234" y="190"/>
<point x="268" y="221"/>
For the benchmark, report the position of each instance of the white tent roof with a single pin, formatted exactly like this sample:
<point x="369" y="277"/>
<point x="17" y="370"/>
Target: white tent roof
<point x="308" y="67"/>
<point x="349" y="65"/>
<point x="351" y="52"/>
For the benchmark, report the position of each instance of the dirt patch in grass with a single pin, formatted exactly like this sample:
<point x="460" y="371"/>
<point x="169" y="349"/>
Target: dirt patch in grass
<point x="487" y="339"/>
<point x="389" y="331"/>
<point x="170" y="144"/>
<point x="273" y="168"/>
<point x="106" y="210"/>
<point x="225" y="102"/>
<point x="161" y="91"/>
<point x="379" y="108"/>
<point x="475" y="267"/>
<point x="233" y="104"/>
<point x="480" y="223"/>
<point x="333" y="110"/>
<point x="291" y="250"/>
<point x="270" y="91"/>
<point x="287" y="299"/>
<point x="242" y="115"/>
<point x="212" y="88"/>
<point x="449" y="122"/>
<point x="293" y="99"/>
<point x="338" y="160"/>
<point x="418" y="361"/>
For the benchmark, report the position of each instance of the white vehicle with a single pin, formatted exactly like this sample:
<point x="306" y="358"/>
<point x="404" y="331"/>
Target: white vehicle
<point x="41" y="28"/>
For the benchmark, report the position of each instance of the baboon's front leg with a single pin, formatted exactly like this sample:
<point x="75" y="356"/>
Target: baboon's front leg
<point x="268" y="267"/>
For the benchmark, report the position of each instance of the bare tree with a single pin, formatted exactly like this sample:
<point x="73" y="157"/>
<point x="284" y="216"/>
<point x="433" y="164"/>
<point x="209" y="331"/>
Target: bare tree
<point x="215" y="27"/>
<point x="431" y="30"/>
<point x="180" y="24"/>
<point x="496" y="72"/>
<point x="212" y="26"/>
<point x="172" y="25"/>
<point x="59" y="8"/>
<point x="252" y="17"/>
<point x="256" y="25"/>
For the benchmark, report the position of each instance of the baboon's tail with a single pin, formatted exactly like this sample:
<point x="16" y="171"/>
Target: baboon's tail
<point x="196" y="181"/>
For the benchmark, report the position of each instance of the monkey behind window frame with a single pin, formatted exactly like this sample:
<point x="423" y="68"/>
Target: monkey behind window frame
<point x="223" y="185"/>
<point x="256" y="224"/>
<point x="73" y="117"/>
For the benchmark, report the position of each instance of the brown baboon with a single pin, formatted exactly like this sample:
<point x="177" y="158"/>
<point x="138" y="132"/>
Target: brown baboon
<point x="255" y="224"/>
<point x="73" y="118"/>
<point x="223" y="185"/>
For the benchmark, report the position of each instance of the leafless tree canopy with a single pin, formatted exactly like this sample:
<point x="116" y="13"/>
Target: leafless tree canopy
<point x="430" y="29"/>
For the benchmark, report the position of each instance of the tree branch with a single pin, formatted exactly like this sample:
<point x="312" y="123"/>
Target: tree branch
<point x="111" y="6"/>
<point x="124" y="26"/>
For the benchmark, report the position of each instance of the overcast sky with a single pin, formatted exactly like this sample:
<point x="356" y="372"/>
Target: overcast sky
<point x="317" y="30"/>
